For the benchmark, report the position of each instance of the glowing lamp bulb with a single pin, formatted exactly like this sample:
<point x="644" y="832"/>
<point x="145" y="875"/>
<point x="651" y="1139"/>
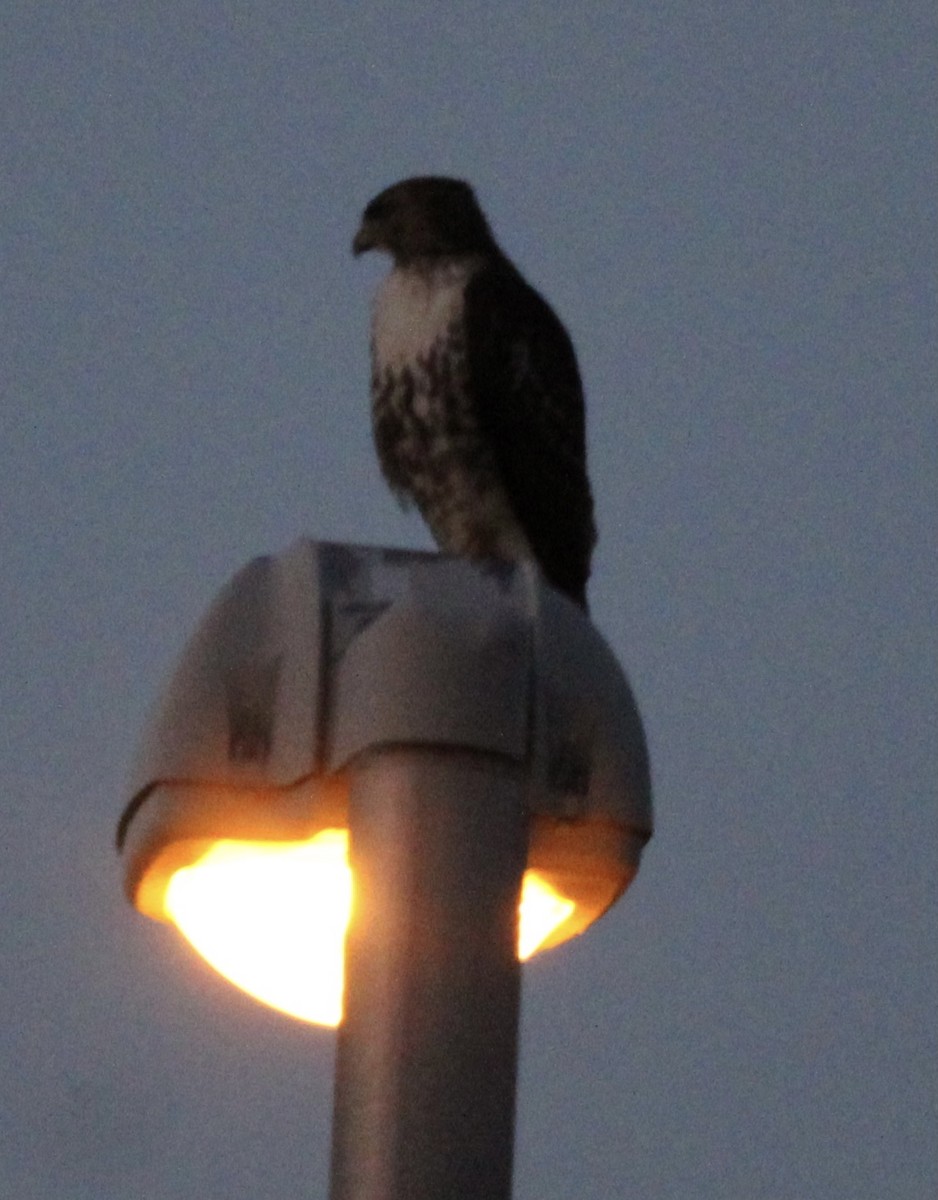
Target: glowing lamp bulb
<point x="540" y="912"/>
<point x="247" y="908"/>
<point x="271" y="917"/>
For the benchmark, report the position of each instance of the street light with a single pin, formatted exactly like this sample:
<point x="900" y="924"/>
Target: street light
<point x="451" y="754"/>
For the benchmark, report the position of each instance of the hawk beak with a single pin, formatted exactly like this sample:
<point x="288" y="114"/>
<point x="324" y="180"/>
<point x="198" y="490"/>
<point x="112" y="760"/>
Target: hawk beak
<point x="364" y="240"/>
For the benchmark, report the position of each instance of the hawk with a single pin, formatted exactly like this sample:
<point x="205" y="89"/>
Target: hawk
<point x="477" y="405"/>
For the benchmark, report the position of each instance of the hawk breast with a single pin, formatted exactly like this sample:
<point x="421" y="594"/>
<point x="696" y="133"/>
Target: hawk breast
<point x="430" y="444"/>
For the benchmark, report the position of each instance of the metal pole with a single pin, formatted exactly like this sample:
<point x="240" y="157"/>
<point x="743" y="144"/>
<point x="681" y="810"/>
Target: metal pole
<point x="427" y="1052"/>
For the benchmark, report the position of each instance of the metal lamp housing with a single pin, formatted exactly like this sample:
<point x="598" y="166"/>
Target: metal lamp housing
<point x="311" y="661"/>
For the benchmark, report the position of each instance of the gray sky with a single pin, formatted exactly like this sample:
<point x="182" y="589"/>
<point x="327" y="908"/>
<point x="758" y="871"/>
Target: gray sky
<point x="731" y="206"/>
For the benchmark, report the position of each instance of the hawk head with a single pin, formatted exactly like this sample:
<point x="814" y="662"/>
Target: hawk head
<point x="427" y="217"/>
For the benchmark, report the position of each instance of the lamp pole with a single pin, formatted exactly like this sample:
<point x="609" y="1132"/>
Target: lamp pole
<point x="427" y="1053"/>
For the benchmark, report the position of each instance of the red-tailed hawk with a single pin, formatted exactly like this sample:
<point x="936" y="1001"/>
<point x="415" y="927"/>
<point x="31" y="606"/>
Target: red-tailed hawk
<point x="477" y="404"/>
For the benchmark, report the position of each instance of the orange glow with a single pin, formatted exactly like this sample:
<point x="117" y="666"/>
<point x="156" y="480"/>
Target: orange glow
<point x="271" y="917"/>
<point x="248" y="908"/>
<point x="541" y="910"/>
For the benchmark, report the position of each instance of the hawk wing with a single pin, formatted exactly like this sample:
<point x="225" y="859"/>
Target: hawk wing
<point x="524" y="379"/>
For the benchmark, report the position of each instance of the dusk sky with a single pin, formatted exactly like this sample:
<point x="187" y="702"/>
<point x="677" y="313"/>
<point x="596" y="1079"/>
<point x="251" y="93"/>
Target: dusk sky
<point x="731" y="206"/>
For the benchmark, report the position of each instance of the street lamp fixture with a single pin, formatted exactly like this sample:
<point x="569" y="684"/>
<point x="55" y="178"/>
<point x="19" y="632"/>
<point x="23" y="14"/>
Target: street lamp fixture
<point x="323" y="657"/>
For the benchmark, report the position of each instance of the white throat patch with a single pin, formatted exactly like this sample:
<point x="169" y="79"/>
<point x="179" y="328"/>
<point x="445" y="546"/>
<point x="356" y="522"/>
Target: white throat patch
<point x="414" y="308"/>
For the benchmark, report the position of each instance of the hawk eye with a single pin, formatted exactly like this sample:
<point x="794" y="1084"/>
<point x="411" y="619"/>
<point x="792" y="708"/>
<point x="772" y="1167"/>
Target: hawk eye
<point x="378" y="209"/>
